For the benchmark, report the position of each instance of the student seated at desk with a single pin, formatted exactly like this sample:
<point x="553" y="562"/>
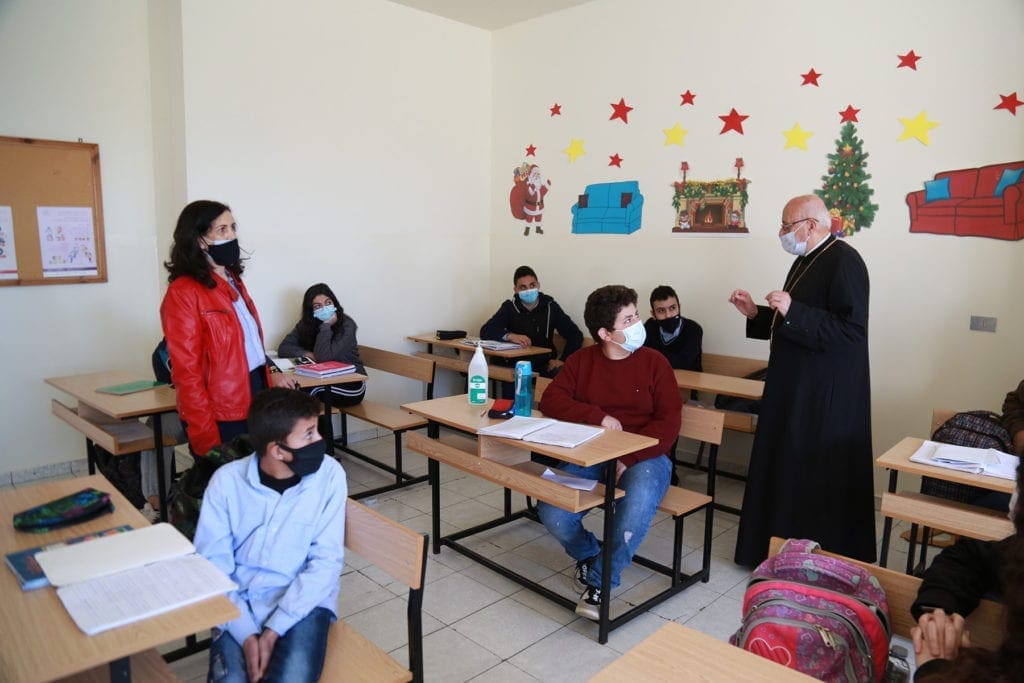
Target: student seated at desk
<point x="951" y="589"/>
<point x="618" y="384"/>
<point x="668" y="332"/>
<point x="325" y="333"/>
<point x="275" y="523"/>
<point x="530" y="318"/>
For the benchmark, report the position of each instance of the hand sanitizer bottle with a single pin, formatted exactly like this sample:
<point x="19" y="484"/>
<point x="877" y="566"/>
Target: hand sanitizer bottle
<point x="478" y="378"/>
<point x="524" y="388"/>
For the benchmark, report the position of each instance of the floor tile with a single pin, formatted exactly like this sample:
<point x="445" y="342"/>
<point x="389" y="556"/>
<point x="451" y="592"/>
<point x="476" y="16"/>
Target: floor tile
<point x="457" y="596"/>
<point x="506" y="627"/>
<point x="565" y="656"/>
<point x="504" y="673"/>
<point x="450" y="656"/>
<point x="720" y="619"/>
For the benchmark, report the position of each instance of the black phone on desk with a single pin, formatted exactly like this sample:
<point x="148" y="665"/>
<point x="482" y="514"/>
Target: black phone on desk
<point x="501" y="410"/>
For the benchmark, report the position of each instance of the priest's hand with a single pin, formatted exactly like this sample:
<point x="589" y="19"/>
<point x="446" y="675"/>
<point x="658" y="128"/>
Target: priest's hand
<point x="779" y="301"/>
<point x="740" y="298"/>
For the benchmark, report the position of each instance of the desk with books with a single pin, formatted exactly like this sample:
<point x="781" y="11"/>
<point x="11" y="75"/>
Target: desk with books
<point x="307" y="382"/>
<point x="41" y="642"/>
<point x="507" y="462"/>
<point x="932" y="511"/>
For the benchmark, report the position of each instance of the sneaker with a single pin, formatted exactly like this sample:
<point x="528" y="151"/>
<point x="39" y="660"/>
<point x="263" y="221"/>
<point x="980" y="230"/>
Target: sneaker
<point x="590" y="603"/>
<point x="579" y="580"/>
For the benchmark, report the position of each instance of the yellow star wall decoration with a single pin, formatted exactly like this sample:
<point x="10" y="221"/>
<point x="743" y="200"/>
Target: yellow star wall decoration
<point x="574" y="150"/>
<point x="917" y="127"/>
<point x="674" y="135"/>
<point x="797" y="137"/>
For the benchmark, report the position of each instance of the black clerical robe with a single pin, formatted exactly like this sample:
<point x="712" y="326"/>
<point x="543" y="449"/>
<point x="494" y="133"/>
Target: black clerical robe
<point x="811" y="466"/>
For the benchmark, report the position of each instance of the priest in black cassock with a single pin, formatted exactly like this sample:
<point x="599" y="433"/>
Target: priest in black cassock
<point x="811" y="466"/>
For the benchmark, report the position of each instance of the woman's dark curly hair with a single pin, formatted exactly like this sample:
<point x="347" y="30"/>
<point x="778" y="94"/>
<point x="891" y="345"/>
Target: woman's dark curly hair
<point x="308" y="325"/>
<point x="1005" y="664"/>
<point x="187" y="259"/>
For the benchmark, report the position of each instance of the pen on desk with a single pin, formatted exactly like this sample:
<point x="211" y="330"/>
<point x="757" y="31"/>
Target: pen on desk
<point x="483" y="412"/>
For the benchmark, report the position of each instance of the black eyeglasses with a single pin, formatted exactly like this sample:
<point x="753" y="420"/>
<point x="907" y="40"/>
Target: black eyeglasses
<point x="787" y="227"/>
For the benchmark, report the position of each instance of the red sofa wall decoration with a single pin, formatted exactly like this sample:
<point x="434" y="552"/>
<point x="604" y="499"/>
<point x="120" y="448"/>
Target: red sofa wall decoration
<point x="972" y="209"/>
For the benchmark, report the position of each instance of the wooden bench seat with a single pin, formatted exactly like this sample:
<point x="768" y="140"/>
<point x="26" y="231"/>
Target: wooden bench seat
<point x="392" y="418"/>
<point x="986" y="623"/>
<point x="402" y="553"/>
<point x="498" y="372"/>
<point x="118" y="437"/>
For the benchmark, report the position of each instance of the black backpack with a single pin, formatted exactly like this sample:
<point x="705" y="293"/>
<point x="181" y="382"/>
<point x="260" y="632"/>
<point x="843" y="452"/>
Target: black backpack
<point x="975" y="429"/>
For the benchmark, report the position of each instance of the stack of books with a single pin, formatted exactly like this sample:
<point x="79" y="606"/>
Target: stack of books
<point x="329" y="368"/>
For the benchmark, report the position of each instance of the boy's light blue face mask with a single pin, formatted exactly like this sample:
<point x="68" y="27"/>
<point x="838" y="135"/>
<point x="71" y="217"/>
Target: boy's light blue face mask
<point x="529" y="296"/>
<point x="325" y="313"/>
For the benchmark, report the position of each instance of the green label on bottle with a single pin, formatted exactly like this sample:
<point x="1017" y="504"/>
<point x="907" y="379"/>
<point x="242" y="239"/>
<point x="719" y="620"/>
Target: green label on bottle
<point x="477" y="389"/>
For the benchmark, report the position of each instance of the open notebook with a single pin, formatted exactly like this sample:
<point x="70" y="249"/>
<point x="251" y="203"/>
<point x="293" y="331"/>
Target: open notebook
<point x="543" y="430"/>
<point x="971" y="460"/>
<point x="121" y="579"/>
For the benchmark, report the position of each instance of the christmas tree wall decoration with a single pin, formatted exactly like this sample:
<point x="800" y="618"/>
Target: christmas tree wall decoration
<point x="845" y="190"/>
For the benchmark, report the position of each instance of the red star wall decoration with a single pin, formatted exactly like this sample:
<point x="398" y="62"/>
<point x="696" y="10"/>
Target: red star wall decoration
<point x="908" y="60"/>
<point x="620" y="111"/>
<point x="615" y="160"/>
<point x="811" y="78"/>
<point x="849" y="114"/>
<point x="1009" y="103"/>
<point x="531" y="151"/>
<point x="733" y="121"/>
<point x="556" y="110"/>
<point x="687" y="98"/>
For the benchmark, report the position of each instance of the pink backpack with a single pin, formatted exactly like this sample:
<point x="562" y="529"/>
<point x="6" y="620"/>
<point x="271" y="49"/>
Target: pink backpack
<point x="817" y="614"/>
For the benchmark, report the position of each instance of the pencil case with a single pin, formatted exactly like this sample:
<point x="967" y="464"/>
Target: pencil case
<point x="451" y="334"/>
<point x="70" y="509"/>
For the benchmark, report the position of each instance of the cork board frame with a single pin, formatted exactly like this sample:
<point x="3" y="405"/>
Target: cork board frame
<point x="38" y="173"/>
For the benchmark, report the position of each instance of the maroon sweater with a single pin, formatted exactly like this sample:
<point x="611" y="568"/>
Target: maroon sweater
<point x="639" y="391"/>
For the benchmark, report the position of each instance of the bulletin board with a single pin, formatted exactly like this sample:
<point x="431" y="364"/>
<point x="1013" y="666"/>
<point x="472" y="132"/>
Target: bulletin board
<point x="51" y="213"/>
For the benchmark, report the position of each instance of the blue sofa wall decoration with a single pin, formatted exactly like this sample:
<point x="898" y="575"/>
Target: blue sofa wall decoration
<point x="609" y="209"/>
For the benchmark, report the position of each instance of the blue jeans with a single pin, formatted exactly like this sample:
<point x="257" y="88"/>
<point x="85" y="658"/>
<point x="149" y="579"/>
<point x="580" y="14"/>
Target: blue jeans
<point x="645" y="484"/>
<point x="298" y="655"/>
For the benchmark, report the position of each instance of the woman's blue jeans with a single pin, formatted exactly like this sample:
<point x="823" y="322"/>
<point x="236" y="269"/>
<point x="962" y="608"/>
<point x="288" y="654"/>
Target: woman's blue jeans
<point x="298" y="655"/>
<point x="645" y="484"/>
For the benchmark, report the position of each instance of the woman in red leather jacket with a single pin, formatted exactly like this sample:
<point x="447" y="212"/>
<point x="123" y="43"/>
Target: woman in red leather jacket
<point x="212" y="328"/>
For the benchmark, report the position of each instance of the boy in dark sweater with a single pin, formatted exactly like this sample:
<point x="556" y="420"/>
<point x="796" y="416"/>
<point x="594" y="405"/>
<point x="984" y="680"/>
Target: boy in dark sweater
<point x="668" y="332"/>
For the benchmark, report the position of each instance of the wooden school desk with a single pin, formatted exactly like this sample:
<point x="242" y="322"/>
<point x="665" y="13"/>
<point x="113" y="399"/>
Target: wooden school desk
<point x="724" y="385"/>
<point x="976" y="522"/>
<point x="41" y="642"/>
<point x="677" y="653"/>
<point x="325" y="397"/>
<point x="112" y="421"/>
<point x="495" y="372"/>
<point x="507" y="463"/>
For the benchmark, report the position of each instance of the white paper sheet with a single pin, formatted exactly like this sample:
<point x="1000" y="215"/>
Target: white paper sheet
<point x="516" y="427"/>
<point x="989" y="461"/>
<point x="572" y="482"/>
<point x="67" y="242"/>
<point x="126" y="597"/>
<point x="565" y="434"/>
<point x="8" y="257"/>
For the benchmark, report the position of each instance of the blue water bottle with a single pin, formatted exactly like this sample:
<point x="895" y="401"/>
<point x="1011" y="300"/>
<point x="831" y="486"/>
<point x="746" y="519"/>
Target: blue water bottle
<point x="524" y="388"/>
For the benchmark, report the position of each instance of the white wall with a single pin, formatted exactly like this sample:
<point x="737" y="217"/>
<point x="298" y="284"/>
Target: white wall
<point x="351" y="139"/>
<point x="79" y="70"/>
<point x="924" y="287"/>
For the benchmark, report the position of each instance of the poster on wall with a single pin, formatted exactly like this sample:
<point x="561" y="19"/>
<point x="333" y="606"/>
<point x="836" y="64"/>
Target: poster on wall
<point x="711" y="208"/>
<point x="8" y="258"/>
<point x="67" y="243"/>
<point x="608" y="209"/>
<point x="526" y="199"/>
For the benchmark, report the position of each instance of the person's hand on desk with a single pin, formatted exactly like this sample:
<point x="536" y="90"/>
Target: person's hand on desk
<point x="520" y="339"/>
<point x="779" y="301"/>
<point x="285" y="380"/>
<point x="938" y="635"/>
<point x="554" y="364"/>
<point x="740" y="298"/>
<point x="610" y="422"/>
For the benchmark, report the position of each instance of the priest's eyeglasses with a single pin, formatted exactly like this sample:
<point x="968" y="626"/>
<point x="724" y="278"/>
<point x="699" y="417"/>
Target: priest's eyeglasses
<point x="789" y="227"/>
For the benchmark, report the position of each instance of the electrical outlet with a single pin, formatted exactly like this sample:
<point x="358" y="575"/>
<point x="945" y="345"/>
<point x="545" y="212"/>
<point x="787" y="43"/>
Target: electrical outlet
<point x="980" y="323"/>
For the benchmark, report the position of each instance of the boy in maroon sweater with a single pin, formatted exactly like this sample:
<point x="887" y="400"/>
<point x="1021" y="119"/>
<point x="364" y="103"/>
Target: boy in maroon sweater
<point x="617" y="384"/>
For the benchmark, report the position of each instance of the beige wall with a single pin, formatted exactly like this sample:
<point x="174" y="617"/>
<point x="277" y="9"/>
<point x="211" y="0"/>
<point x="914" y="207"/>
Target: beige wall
<point x="371" y="146"/>
<point x="924" y="287"/>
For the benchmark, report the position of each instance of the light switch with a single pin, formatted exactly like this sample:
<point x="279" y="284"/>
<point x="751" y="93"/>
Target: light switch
<point x="980" y="323"/>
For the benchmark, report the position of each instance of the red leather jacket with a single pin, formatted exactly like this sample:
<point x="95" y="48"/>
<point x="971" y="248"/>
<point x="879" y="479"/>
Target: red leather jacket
<point x="208" y="362"/>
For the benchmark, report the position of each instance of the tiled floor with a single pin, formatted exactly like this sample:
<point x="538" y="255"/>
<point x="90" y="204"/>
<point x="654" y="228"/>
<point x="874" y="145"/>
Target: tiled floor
<point x="480" y="626"/>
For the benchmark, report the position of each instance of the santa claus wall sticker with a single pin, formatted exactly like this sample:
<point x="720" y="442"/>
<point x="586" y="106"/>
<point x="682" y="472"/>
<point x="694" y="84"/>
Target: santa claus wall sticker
<point x="526" y="200"/>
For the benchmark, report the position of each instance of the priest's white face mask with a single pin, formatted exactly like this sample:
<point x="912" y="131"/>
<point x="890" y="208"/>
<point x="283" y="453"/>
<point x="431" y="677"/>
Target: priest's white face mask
<point x="788" y="235"/>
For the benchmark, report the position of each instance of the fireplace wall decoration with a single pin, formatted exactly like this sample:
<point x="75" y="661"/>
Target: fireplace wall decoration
<point x="710" y="207"/>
